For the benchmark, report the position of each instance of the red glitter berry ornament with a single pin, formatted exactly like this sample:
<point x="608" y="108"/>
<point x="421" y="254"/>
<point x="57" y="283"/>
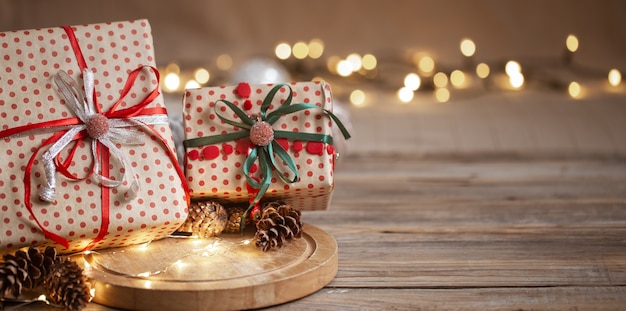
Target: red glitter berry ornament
<point x="97" y="126"/>
<point x="261" y="133"/>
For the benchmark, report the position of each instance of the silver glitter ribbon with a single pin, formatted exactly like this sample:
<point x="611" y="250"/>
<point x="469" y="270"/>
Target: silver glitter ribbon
<point x="118" y="132"/>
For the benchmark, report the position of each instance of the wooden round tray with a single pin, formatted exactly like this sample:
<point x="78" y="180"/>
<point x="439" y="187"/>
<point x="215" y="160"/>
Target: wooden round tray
<point x="224" y="273"/>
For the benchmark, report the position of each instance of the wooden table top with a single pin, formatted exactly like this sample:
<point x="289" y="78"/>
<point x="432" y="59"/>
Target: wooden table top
<point x="478" y="233"/>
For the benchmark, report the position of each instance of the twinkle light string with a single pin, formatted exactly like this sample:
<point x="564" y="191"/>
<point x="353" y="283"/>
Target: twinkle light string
<point x="202" y="248"/>
<point x="385" y="72"/>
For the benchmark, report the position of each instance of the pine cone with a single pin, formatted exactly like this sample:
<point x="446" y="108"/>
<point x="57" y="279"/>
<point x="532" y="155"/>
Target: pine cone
<point x="25" y="270"/>
<point x="234" y="219"/>
<point x="278" y="224"/>
<point x="205" y="219"/>
<point x="66" y="285"/>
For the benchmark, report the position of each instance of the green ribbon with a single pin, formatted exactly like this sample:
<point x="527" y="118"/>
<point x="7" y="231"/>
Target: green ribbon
<point x="266" y="154"/>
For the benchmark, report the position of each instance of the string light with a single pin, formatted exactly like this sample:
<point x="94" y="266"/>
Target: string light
<point x="344" y="68"/>
<point x="574" y="89"/>
<point x="426" y="65"/>
<point x="172" y="68"/>
<point x="224" y="62"/>
<point x="172" y="81"/>
<point x="615" y="77"/>
<point x="300" y="50"/>
<point x="512" y="67"/>
<point x="143" y="247"/>
<point x="144" y="274"/>
<point x="357" y="98"/>
<point x="412" y="81"/>
<point x="283" y="50"/>
<point x="482" y="70"/>
<point x="405" y="94"/>
<point x="316" y="48"/>
<point x="514" y="70"/>
<point x="369" y="61"/>
<point x="355" y="61"/>
<point x="192" y="84"/>
<point x="468" y="48"/>
<point x="442" y="95"/>
<point x="516" y="80"/>
<point x="440" y="80"/>
<point x="332" y="64"/>
<point x="571" y="43"/>
<point x="201" y="75"/>
<point x="457" y="78"/>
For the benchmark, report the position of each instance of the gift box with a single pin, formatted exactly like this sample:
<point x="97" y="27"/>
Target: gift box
<point x="88" y="152"/>
<point x="246" y="142"/>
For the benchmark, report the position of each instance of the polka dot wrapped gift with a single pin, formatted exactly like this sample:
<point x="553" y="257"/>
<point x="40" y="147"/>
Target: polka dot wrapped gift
<point x="247" y="142"/>
<point x="87" y="148"/>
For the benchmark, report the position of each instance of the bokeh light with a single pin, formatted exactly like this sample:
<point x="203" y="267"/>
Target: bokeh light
<point x="171" y="81"/>
<point x="442" y="95"/>
<point x="224" y="62"/>
<point x="468" y="48"/>
<point x="201" y="75"/>
<point x="357" y="98"/>
<point x="192" y="84"/>
<point x="412" y="81"/>
<point x="426" y="65"/>
<point x="316" y="48"/>
<point x="440" y="79"/>
<point x="283" y="50"/>
<point x="615" y="77"/>
<point x="369" y="61"/>
<point x="457" y="78"/>
<point x="344" y="68"/>
<point x="482" y="70"/>
<point x="300" y="50"/>
<point x="405" y="95"/>
<point x="574" y="89"/>
<point x="355" y="61"/>
<point x="571" y="43"/>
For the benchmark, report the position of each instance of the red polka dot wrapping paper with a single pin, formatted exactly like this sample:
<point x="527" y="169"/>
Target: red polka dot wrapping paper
<point x="28" y="95"/>
<point x="215" y="172"/>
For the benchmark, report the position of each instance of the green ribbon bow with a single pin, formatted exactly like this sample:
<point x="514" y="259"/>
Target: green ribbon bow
<point x="266" y="154"/>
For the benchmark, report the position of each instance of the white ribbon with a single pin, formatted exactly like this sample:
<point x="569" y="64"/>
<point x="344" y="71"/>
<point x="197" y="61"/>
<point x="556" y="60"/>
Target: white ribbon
<point x="118" y="132"/>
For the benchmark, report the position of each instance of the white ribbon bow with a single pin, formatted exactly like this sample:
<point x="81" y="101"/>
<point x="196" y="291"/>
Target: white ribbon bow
<point x="107" y="132"/>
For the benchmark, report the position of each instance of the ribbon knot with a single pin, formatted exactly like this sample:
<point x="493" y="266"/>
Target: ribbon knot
<point x="103" y="130"/>
<point x="265" y="148"/>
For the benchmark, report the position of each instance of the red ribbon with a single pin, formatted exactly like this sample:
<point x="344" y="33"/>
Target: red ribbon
<point x="103" y="155"/>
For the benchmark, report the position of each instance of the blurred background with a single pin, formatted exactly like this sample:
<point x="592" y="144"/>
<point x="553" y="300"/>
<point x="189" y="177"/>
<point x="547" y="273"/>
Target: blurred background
<point x="418" y="78"/>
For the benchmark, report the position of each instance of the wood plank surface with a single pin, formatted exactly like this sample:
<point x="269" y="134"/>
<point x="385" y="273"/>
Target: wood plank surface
<point x="502" y="233"/>
<point x="474" y="233"/>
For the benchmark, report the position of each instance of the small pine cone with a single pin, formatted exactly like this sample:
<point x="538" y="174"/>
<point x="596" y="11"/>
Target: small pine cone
<point x="66" y="285"/>
<point x="25" y="270"/>
<point x="279" y="223"/>
<point x="234" y="219"/>
<point x="205" y="219"/>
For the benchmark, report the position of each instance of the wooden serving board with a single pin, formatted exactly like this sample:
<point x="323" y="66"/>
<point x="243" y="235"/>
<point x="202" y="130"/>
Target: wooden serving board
<point x="224" y="273"/>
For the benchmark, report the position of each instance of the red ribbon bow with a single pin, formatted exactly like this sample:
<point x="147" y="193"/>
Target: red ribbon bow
<point x="101" y="151"/>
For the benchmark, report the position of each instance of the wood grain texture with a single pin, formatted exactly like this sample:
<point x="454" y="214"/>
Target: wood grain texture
<point x="470" y="233"/>
<point x="211" y="274"/>
<point x="474" y="233"/>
